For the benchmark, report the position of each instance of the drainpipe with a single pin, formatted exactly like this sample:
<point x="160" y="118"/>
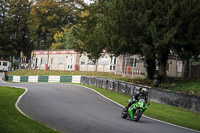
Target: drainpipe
<point x="133" y="65"/>
<point x="125" y="66"/>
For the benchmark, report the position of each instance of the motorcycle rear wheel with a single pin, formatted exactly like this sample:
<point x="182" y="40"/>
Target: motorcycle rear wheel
<point x="124" y="113"/>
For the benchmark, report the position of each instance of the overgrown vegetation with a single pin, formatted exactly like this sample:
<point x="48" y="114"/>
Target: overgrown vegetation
<point x="12" y="121"/>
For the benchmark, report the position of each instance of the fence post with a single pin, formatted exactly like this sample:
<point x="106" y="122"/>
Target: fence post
<point x="190" y="68"/>
<point x="198" y="69"/>
<point x="5" y="76"/>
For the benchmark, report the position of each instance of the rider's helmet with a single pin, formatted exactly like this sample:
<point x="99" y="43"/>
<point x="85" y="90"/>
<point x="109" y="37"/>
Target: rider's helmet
<point x="144" y="91"/>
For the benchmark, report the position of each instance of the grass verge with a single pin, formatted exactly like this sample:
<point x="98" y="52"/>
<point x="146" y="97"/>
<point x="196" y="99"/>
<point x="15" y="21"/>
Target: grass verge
<point x="191" y="86"/>
<point x="12" y="121"/>
<point x="174" y="115"/>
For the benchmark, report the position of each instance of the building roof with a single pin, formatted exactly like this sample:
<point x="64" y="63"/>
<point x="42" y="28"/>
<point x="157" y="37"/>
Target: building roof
<point x="46" y="52"/>
<point x="4" y="60"/>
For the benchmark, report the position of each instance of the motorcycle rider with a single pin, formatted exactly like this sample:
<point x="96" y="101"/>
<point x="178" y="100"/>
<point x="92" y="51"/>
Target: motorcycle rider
<point x="141" y="93"/>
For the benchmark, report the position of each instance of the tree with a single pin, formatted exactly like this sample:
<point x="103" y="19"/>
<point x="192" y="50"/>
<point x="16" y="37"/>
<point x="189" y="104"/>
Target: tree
<point x="139" y="27"/>
<point x="150" y="28"/>
<point x="125" y="31"/>
<point x="47" y="18"/>
<point x="5" y="45"/>
<point x="14" y="31"/>
<point x="89" y="33"/>
<point x="17" y="16"/>
<point x="187" y="39"/>
<point x="64" y="39"/>
<point x="113" y="26"/>
<point x="163" y="28"/>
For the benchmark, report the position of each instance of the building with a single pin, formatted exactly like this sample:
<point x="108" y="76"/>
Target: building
<point x="129" y="65"/>
<point x="5" y="65"/>
<point x="174" y="66"/>
<point x="55" y="60"/>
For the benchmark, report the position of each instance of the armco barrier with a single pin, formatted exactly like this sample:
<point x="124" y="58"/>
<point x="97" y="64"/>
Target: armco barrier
<point x="24" y="79"/>
<point x="51" y="79"/>
<point x="187" y="101"/>
<point x="43" y="78"/>
<point x="54" y="79"/>
<point x="33" y="79"/>
<point x="10" y="78"/>
<point x="76" y="79"/>
<point x="65" y="78"/>
<point x="16" y="78"/>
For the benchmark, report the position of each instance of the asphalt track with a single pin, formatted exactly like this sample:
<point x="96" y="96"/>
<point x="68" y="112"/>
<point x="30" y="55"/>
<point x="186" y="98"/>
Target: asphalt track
<point x="76" y="109"/>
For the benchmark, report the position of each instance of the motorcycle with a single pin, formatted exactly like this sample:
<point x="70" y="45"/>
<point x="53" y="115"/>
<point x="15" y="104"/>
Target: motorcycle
<point x="135" y="111"/>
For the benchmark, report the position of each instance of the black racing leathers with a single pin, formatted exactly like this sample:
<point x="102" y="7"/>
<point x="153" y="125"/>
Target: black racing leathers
<point x="136" y="97"/>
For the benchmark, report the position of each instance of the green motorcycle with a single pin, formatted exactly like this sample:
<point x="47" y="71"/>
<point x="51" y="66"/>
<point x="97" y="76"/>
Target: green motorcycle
<point x="136" y="110"/>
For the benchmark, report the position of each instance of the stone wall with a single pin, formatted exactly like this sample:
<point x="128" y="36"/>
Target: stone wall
<point x="157" y="95"/>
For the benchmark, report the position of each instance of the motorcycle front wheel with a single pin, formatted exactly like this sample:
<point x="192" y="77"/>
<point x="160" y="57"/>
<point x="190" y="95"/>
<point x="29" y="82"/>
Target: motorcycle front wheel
<point x="137" y="115"/>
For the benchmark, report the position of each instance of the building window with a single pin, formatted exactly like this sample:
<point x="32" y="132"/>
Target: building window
<point x="5" y="63"/>
<point x="82" y="60"/>
<point x="51" y="60"/>
<point x="44" y="61"/>
<point x="133" y="62"/>
<point x="113" y="60"/>
<point x="113" y="64"/>
<point x="168" y="66"/>
<point x="112" y="68"/>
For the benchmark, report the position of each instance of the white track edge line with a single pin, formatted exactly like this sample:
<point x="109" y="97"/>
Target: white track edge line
<point x="143" y="115"/>
<point x="18" y="109"/>
<point x="18" y="100"/>
<point x="2" y="80"/>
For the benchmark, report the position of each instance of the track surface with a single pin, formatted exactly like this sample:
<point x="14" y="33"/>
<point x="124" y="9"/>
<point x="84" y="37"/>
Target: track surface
<point x="76" y="109"/>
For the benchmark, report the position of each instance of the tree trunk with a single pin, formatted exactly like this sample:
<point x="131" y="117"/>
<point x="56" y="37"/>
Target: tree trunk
<point x="96" y="65"/>
<point x="162" y="61"/>
<point x="186" y="68"/>
<point x="151" y="67"/>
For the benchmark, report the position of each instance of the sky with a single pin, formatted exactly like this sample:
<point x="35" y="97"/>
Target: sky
<point x="87" y="1"/>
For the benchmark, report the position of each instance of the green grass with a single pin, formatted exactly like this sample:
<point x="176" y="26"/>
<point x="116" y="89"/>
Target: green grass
<point x="12" y="121"/>
<point x="54" y="72"/>
<point x="171" y="114"/>
<point x="192" y="87"/>
<point x="186" y="86"/>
